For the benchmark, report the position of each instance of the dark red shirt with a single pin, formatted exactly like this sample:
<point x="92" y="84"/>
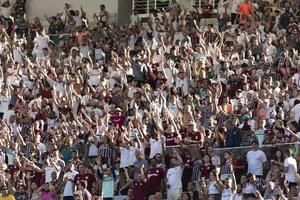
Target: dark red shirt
<point x="36" y="177"/>
<point x="118" y="120"/>
<point x="205" y="170"/>
<point x="139" y="190"/>
<point x="46" y="94"/>
<point x="197" y="136"/>
<point x="171" y="139"/>
<point x="64" y="110"/>
<point x="155" y="176"/>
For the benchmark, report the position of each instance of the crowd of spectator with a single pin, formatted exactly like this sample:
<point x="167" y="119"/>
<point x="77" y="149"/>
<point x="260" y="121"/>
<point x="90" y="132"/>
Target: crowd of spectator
<point x="171" y="107"/>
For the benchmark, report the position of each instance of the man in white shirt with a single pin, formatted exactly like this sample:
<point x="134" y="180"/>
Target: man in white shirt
<point x="127" y="155"/>
<point x="40" y="42"/>
<point x="270" y="50"/>
<point x="156" y="145"/>
<point x="233" y="9"/>
<point x="69" y="181"/>
<point x="174" y="174"/>
<point x="290" y="168"/>
<point x="256" y="159"/>
<point x="295" y="111"/>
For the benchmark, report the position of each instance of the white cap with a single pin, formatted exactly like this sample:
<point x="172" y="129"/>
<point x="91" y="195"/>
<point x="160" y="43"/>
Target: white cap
<point x="74" y="48"/>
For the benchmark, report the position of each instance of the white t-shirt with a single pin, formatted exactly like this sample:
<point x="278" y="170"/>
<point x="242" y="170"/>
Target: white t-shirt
<point x="99" y="55"/>
<point x="216" y="161"/>
<point x="42" y="148"/>
<point x="248" y="189"/>
<point x="84" y="50"/>
<point x="212" y="188"/>
<point x="93" y="150"/>
<point x="174" y="177"/>
<point x="127" y="156"/>
<point x="292" y="101"/>
<point x="155" y="147"/>
<point x="227" y="194"/>
<point x="177" y="36"/>
<point x="94" y="76"/>
<point x="17" y="56"/>
<point x="255" y="161"/>
<point x="296" y="79"/>
<point x="291" y="164"/>
<point x="234" y="6"/>
<point x="41" y="42"/>
<point x="169" y="76"/>
<point x="48" y="172"/>
<point x="68" y="190"/>
<point x="13" y="80"/>
<point x="238" y="197"/>
<point x="4" y="102"/>
<point x="295" y="112"/>
<point x="78" y="21"/>
<point x="2" y="157"/>
<point x="183" y="84"/>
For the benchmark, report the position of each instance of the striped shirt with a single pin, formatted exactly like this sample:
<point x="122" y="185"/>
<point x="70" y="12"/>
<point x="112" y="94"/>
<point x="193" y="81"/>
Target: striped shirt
<point x="196" y="170"/>
<point x="259" y="183"/>
<point x="106" y="151"/>
<point x="225" y="170"/>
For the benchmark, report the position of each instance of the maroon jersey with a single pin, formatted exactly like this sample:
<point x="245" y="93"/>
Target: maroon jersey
<point x="197" y="136"/>
<point x="205" y="170"/>
<point x="118" y="120"/>
<point x="139" y="190"/>
<point x="171" y="139"/>
<point x="155" y="176"/>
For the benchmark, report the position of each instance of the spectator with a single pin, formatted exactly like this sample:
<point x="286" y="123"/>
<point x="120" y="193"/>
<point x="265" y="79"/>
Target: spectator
<point x="290" y="166"/>
<point x="82" y="192"/>
<point x="256" y="159"/>
<point x="85" y="107"/>
<point x="103" y="16"/>
<point x="174" y="184"/>
<point x="69" y="181"/>
<point x="135" y="19"/>
<point x="245" y="11"/>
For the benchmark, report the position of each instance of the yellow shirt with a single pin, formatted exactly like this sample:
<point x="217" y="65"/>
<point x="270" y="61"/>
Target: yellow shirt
<point x="9" y="197"/>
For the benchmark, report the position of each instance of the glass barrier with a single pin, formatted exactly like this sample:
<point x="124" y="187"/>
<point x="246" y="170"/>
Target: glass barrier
<point x="270" y="150"/>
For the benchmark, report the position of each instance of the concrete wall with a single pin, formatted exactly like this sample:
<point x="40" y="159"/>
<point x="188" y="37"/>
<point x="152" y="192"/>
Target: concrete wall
<point x="124" y="11"/>
<point x="52" y="7"/>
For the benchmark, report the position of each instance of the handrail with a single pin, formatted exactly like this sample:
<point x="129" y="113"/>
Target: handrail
<point x="195" y="150"/>
<point x="145" y="6"/>
<point x="234" y="148"/>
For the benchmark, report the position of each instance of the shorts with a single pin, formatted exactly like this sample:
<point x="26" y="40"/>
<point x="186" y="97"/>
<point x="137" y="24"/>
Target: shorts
<point x="68" y="198"/>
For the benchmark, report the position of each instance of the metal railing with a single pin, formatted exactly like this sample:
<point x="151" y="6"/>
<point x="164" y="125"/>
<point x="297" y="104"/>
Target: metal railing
<point x="147" y="6"/>
<point x="268" y="149"/>
<point x="197" y="3"/>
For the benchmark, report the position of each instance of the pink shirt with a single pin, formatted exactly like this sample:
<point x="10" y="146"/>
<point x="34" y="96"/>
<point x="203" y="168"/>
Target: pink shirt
<point x="48" y="196"/>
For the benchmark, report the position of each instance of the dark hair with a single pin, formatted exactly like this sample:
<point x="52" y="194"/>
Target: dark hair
<point x="188" y="194"/>
<point x="83" y="184"/>
<point x="296" y="102"/>
<point x="288" y="152"/>
<point x="254" y="142"/>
